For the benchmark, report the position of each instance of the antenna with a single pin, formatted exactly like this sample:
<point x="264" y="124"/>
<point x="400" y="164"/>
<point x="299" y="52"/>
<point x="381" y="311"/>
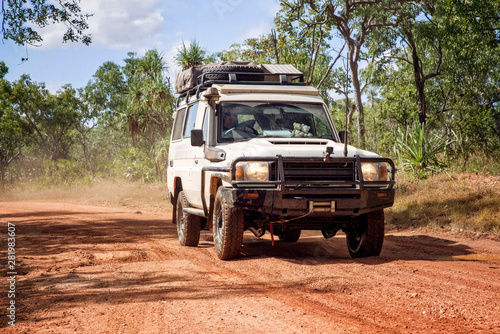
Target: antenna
<point x="346" y="136"/>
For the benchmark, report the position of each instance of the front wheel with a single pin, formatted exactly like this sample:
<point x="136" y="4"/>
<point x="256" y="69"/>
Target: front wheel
<point x="366" y="238"/>
<point x="188" y="225"/>
<point x="228" y="228"/>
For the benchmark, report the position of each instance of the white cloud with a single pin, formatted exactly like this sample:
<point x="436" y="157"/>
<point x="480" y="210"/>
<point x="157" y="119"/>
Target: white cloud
<point x="257" y="31"/>
<point x="173" y="68"/>
<point x="125" y="24"/>
<point x="115" y="24"/>
<point x="262" y="25"/>
<point x="272" y="7"/>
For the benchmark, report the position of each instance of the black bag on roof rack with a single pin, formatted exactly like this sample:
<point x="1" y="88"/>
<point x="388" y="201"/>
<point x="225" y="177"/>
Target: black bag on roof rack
<point x="188" y="79"/>
<point x="237" y="72"/>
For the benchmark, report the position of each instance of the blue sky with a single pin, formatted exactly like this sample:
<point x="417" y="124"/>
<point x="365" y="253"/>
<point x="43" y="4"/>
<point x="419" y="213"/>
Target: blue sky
<point x="122" y="26"/>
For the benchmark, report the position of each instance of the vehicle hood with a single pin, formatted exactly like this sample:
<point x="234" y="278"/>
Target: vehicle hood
<point x="290" y="147"/>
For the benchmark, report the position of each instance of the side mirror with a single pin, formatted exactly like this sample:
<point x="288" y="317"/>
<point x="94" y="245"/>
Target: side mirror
<point x="342" y="135"/>
<point x="197" y="137"/>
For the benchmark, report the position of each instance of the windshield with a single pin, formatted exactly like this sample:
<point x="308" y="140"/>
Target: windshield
<point x="246" y="120"/>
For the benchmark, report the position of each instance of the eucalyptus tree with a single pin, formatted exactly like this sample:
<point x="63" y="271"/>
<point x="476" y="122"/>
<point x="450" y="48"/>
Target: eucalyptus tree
<point x="422" y="38"/>
<point x="350" y="20"/>
<point x="448" y="51"/>
<point x="470" y="91"/>
<point x="283" y="45"/>
<point x="50" y="118"/>
<point x="12" y="139"/>
<point x="426" y="33"/>
<point x="13" y="133"/>
<point x="20" y="20"/>
<point x="102" y="131"/>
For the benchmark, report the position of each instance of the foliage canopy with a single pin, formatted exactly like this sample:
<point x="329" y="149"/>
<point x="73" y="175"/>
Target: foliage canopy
<point x="21" y="18"/>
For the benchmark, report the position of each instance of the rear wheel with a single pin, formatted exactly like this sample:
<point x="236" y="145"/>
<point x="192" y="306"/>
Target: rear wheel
<point x="367" y="237"/>
<point x="188" y="225"/>
<point x="227" y="227"/>
<point x="290" y="235"/>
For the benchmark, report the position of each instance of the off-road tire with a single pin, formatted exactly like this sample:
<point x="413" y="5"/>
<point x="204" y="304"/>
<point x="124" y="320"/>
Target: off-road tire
<point x="228" y="228"/>
<point x="290" y="235"/>
<point x="367" y="237"/>
<point x="188" y="225"/>
<point x="220" y="72"/>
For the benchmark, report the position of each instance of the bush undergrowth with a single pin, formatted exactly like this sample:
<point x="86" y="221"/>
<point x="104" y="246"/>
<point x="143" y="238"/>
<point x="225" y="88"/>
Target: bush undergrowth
<point x="458" y="202"/>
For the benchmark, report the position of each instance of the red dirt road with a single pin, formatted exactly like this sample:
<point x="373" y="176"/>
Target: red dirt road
<point x="91" y="269"/>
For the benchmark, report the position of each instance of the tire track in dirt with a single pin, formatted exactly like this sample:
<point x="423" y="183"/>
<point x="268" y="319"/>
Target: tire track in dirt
<point x="119" y="259"/>
<point x="286" y="293"/>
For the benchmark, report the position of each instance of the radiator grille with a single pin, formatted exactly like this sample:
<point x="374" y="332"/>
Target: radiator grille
<point x="311" y="171"/>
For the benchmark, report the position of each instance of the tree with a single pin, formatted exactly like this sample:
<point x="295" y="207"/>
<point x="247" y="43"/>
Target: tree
<point x="12" y="132"/>
<point x="189" y="56"/>
<point x="353" y="21"/>
<point x="306" y="53"/>
<point x="411" y="33"/>
<point x="150" y="97"/>
<point x="49" y="117"/>
<point x="20" y="19"/>
<point x="12" y="139"/>
<point x="264" y="49"/>
<point x="445" y="49"/>
<point x="3" y="70"/>
<point x="151" y="103"/>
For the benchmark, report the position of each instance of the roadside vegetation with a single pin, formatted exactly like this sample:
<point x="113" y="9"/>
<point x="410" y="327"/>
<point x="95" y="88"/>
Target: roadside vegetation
<point x="460" y="202"/>
<point x="418" y="82"/>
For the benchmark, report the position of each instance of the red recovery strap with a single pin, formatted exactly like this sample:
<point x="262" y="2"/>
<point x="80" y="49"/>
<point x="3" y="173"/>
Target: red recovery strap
<point x="272" y="234"/>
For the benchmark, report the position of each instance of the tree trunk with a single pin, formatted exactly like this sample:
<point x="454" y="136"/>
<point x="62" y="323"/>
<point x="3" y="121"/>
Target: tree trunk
<point x="357" y="100"/>
<point x="2" y="174"/>
<point x="422" y="109"/>
<point x="419" y="85"/>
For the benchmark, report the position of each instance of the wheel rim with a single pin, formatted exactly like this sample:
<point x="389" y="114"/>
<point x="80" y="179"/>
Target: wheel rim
<point x="180" y="221"/>
<point x="354" y="240"/>
<point x="218" y="227"/>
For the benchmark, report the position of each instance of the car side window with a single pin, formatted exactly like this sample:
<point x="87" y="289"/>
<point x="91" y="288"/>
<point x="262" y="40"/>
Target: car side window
<point x="190" y="120"/>
<point x="178" y="123"/>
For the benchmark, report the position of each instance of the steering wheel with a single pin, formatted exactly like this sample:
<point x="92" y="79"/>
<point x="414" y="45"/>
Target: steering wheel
<point x="228" y="131"/>
<point x="244" y="130"/>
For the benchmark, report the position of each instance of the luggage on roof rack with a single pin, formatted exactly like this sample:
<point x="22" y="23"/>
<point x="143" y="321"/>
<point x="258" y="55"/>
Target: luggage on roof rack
<point x="236" y="72"/>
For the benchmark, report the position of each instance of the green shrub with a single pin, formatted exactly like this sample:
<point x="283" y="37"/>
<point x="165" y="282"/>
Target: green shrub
<point x="418" y="152"/>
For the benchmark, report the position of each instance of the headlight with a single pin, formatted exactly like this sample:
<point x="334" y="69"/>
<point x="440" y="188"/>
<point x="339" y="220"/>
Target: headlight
<point x="374" y="172"/>
<point x="252" y="171"/>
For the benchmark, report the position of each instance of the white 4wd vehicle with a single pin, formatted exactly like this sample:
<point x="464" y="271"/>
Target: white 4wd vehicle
<point x="253" y="149"/>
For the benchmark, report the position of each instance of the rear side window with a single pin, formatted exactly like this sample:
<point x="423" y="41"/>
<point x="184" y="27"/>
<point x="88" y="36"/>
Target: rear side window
<point x="178" y="123"/>
<point x="190" y="120"/>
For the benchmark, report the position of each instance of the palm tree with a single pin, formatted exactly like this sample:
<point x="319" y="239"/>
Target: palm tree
<point x="151" y="104"/>
<point x="150" y="93"/>
<point x="191" y="55"/>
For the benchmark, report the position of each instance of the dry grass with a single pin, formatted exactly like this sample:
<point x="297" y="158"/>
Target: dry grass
<point x="468" y="202"/>
<point x="134" y="195"/>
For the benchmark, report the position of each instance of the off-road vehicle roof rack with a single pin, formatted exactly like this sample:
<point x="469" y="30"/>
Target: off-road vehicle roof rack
<point x="197" y="79"/>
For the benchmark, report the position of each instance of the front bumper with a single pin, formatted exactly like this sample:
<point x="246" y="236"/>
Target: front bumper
<point x="330" y="203"/>
<point x="314" y="186"/>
